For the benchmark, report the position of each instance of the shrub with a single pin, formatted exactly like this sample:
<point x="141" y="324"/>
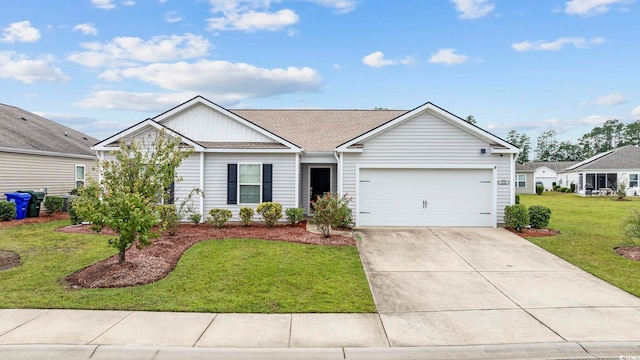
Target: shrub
<point x="270" y="211"/>
<point x="169" y="218"/>
<point x="539" y="216"/>
<point x="7" y="210"/>
<point x="73" y="214"/>
<point x="295" y="215"/>
<point x="539" y="189"/>
<point x="516" y="217"/>
<point x="553" y="184"/>
<point x="328" y="210"/>
<point x="218" y="217"/>
<point x="344" y="216"/>
<point x="53" y="204"/>
<point x="246" y="215"/>
<point x="632" y="228"/>
<point x="517" y="199"/>
<point x="563" y="189"/>
<point x="572" y="188"/>
<point x="621" y="190"/>
<point x="195" y="217"/>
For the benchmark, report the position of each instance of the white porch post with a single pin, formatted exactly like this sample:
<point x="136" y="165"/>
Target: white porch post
<point x="297" y="190"/>
<point x="202" y="186"/>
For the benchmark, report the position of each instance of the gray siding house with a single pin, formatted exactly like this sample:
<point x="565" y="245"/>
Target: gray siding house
<point x="39" y="154"/>
<point x="420" y="167"/>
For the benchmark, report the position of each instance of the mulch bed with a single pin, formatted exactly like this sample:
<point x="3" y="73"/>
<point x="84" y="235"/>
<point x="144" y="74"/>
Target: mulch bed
<point x="630" y="252"/>
<point x="531" y="232"/>
<point x="8" y="259"/>
<point x="154" y="262"/>
<point x="34" y="220"/>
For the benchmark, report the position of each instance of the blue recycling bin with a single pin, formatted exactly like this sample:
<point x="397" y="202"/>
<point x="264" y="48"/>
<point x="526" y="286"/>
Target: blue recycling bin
<point x="22" y="202"/>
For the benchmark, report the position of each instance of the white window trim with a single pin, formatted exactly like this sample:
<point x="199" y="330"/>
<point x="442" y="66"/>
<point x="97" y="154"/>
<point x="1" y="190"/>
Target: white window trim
<point x="259" y="184"/>
<point x="518" y="181"/>
<point x="75" y="175"/>
<point x="637" y="180"/>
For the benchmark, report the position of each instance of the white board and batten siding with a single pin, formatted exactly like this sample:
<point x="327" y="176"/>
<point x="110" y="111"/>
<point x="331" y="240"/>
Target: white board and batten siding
<point x="438" y="147"/>
<point x="202" y="123"/>
<point x="215" y="175"/>
<point x="39" y="172"/>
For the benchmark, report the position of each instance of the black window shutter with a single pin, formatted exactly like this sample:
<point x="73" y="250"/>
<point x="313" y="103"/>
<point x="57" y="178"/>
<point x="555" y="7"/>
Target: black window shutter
<point x="232" y="184"/>
<point x="267" y="183"/>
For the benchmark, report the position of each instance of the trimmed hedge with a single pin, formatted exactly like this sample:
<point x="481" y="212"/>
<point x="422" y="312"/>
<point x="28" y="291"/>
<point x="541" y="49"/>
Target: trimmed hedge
<point x="7" y="210"/>
<point x="516" y="217"/>
<point x="539" y="216"/>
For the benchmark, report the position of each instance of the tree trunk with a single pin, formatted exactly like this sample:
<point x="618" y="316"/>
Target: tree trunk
<point x="121" y="256"/>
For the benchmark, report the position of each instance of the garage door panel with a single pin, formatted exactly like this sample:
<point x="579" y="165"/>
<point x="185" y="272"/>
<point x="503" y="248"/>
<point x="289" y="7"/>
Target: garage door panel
<point x="425" y="197"/>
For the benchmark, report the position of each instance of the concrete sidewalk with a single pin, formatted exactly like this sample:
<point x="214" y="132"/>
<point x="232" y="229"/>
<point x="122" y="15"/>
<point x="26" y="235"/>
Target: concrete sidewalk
<point x="88" y="334"/>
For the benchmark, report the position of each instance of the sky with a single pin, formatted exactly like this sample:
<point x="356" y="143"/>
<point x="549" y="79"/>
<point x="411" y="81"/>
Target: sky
<point x="100" y="66"/>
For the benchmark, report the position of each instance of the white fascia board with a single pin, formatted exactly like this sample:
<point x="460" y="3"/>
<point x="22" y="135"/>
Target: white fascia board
<point x="200" y="100"/>
<point x="318" y="158"/>
<point x="46" y="153"/>
<point x="460" y="123"/>
<point x="254" y="151"/>
<point x="139" y="127"/>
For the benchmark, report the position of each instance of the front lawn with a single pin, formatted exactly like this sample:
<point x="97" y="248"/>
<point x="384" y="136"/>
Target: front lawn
<point x="233" y="275"/>
<point x="591" y="227"/>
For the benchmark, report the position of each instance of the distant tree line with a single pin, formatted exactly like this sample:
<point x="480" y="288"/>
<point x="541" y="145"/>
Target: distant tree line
<point x="610" y="135"/>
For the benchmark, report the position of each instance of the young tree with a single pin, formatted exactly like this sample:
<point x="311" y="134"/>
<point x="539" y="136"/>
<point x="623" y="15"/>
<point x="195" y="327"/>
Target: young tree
<point x="130" y="188"/>
<point x="523" y="142"/>
<point x="471" y="120"/>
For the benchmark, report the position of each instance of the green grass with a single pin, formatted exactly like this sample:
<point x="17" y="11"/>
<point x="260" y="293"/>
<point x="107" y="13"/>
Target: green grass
<point x="234" y="275"/>
<point x="591" y="227"/>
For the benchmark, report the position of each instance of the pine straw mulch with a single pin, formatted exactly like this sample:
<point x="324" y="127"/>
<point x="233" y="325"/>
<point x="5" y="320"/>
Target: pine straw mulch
<point x="154" y="262"/>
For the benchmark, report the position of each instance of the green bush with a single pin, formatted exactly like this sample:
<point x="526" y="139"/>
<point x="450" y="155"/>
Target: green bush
<point x="246" y="215"/>
<point x="516" y="217"/>
<point x="517" y="199"/>
<point x="295" y="215"/>
<point x="344" y="216"/>
<point x="539" y="189"/>
<point x="329" y="210"/>
<point x="73" y="214"/>
<point x="572" y="188"/>
<point x="169" y="218"/>
<point x="270" y="211"/>
<point x="563" y="189"/>
<point x="632" y="228"/>
<point x="53" y="204"/>
<point x="7" y="210"/>
<point x="195" y="217"/>
<point x="539" y="216"/>
<point x="218" y="217"/>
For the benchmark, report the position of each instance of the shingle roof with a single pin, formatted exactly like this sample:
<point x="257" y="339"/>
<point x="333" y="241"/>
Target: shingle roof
<point x="319" y="130"/>
<point x="625" y="157"/>
<point x="23" y="130"/>
<point x="553" y="165"/>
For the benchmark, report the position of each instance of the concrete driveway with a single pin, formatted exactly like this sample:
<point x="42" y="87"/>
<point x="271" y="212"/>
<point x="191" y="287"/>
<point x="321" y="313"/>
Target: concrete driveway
<point x="471" y="286"/>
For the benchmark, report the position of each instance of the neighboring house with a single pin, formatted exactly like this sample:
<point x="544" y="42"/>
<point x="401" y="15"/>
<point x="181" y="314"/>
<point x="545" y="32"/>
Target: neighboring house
<point x="424" y="167"/>
<point x="602" y="172"/>
<point x="524" y="180"/>
<point x="544" y="172"/>
<point x="39" y="154"/>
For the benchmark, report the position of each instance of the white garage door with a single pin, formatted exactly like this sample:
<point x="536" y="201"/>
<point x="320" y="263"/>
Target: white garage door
<point x="426" y="197"/>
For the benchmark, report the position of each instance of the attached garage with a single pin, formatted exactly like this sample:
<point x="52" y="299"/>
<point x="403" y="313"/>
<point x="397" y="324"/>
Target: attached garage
<point x="426" y="197"/>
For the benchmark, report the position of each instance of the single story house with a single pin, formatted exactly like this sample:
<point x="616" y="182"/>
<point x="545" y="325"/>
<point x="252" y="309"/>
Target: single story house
<point x="423" y="167"/>
<point x="602" y="172"/>
<point x="40" y="154"/>
<point x="530" y="173"/>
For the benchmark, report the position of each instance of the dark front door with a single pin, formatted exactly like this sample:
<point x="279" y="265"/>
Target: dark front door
<point x="320" y="182"/>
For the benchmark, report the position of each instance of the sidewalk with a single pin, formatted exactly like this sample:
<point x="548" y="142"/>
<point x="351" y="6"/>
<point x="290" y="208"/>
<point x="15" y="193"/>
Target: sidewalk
<point x="89" y="334"/>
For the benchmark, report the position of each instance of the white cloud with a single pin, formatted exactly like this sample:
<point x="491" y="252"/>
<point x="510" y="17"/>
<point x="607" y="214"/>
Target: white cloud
<point x="555" y="45"/>
<point x="591" y="7"/>
<point x="636" y="111"/>
<point x="130" y="50"/>
<point x="473" y="9"/>
<point x="21" y="68"/>
<point x="86" y="28"/>
<point x="128" y="3"/>
<point x="561" y="126"/>
<point x="448" y="57"/>
<point x="608" y="100"/>
<point x="173" y="17"/>
<point x="104" y="4"/>
<point x="21" y="31"/>
<point x="376" y="60"/>
<point x="124" y="100"/>
<point x="222" y="78"/>
<point x="254" y="20"/>
<point x="341" y="6"/>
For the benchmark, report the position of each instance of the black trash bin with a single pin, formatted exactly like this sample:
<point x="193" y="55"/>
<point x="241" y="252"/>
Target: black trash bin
<point x="37" y="197"/>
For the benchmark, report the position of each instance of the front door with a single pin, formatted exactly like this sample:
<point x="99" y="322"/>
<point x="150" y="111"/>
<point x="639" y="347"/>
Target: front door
<point x="320" y="182"/>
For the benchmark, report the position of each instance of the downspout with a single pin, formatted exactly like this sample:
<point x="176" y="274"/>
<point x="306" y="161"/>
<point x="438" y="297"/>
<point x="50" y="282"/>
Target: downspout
<point x="297" y="191"/>
<point x="202" y="187"/>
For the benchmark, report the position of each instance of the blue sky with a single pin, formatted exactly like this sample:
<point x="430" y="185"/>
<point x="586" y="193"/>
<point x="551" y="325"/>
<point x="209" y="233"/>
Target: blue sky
<point x="100" y="66"/>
